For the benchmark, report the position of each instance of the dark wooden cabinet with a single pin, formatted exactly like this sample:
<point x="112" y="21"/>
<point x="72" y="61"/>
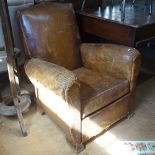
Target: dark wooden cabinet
<point x="106" y="23"/>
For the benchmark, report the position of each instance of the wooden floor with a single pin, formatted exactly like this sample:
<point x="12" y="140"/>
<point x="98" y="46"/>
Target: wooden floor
<point x="136" y="16"/>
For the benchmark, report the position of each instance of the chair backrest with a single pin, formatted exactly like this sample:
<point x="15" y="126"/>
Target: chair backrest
<point x="50" y="32"/>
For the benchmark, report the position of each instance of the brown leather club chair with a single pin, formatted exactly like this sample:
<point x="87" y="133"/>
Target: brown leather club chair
<point x="84" y="88"/>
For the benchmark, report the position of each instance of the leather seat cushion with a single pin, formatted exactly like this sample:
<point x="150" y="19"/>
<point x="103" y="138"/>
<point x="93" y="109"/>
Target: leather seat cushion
<point x="97" y="91"/>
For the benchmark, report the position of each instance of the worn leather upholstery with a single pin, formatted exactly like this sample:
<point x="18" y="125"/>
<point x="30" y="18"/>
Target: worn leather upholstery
<point x="57" y="91"/>
<point x="57" y="21"/>
<point x="97" y="90"/>
<point x="122" y="61"/>
<point x="84" y="88"/>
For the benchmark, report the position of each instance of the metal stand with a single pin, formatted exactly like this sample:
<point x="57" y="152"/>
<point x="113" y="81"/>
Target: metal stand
<point x="123" y="10"/>
<point x="83" y="5"/>
<point x="16" y="97"/>
<point x="99" y="4"/>
<point x="150" y="7"/>
<point x="123" y="2"/>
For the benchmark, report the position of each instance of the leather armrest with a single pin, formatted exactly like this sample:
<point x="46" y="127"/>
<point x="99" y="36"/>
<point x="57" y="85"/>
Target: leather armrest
<point x="64" y="90"/>
<point x="120" y="61"/>
<point x="49" y="75"/>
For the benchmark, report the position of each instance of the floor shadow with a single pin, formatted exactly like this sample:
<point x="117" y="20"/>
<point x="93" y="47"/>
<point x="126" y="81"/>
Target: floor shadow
<point x="148" y="62"/>
<point x="143" y="76"/>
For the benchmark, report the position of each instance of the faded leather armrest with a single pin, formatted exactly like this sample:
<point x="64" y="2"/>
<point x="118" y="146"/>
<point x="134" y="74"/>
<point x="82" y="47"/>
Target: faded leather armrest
<point x="63" y="89"/>
<point x="118" y="60"/>
<point x="51" y="76"/>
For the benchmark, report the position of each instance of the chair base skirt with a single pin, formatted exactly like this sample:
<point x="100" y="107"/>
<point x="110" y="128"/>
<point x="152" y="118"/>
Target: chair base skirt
<point x="95" y="124"/>
<point x="100" y="121"/>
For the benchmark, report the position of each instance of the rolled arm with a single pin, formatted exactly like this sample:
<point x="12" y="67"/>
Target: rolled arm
<point x="118" y="60"/>
<point x="49" y="75"/>
<point x="45" y="75"/>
